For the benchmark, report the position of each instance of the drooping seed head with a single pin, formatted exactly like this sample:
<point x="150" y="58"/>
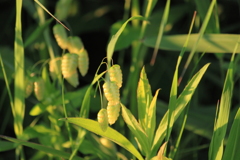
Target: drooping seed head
<point x="39" y="89"/>
<point x="113" y="112"/>
<point x="60" y="36"/>
<point x="75" y="44"/>
<point x="103" y="119"/>
<point x="111" y="92"/>
<point x="83" y="62"/>
<point x="69" y="64"/>
<point x="115" y="74"/>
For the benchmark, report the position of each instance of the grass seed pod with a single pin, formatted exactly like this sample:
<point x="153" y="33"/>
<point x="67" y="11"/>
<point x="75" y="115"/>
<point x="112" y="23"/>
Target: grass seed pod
<point x="83" y="62"/>
<point x="61" y="36"/>
<point x="28" y="87"/>
<point x="73" y="79"/>
<point x="113" y="112"/>
<point x="102" y="118"/>
<point x="115" y="74"/>
<point x="69" y="64"/>
<point x="111" y="92"/>
<point x="54" y="67"/>
<point x="75" y="44"/>
<point x="62" y="9"/>
<point x="39" y="89"/>
<point x="108" y="144"/>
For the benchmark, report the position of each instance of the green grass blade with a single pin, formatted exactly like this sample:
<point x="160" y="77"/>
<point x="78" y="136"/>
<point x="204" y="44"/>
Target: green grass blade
<point x="7" y="85"/>
<point x="231" y="151"/>
<point x="202" y="8"/>
<point x="182" y="101"/>
<point x="144" y="97"/>
<point x="151" y="118"/>
<point x="6" y="146"/>
<point x="19" y="90"/>
<point x="36" y="33"/>
<point x="201" y="32"/>
<point x="216" y="145"/>
<point x="136" y="129"/>
<point x="161" y="30"/>
<point x="209" y="43"/>
<point x="110" y="133"/>
<point x="39" y="147"/>
<point x="112" y="43"/>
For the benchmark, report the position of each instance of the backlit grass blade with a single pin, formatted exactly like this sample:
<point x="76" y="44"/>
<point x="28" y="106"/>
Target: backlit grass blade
<point x="220" y="127"/>
<point x="209" y="43"/>
<point x="151" y="118"/>
<point x="201" y="32"/>
<point x="19" y="90"/>
<point x="144" y="97"/>
<point x="112" y="43"/>
<point x="232" y="148"/>
<point x="161" y="30"/>
<point x="202" y="8"/>
<point x="110" y="133"/>
<point x="136" y="130"/>
<point x="181" y="103"/>
<point x="39" y="147"/>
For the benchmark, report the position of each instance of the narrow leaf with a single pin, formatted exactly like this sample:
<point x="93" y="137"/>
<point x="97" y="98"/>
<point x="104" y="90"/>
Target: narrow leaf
<point x="39" y="147"/>
<point x="182" y="101"/>
<point x="216" y="145"/>
<point x="233" y="145"/>
<point x="151" y="118"/>
<point x="36" y="33"/>
<point x="112" y="43"/>
<point x="110" y="133"/>
<point x="209" y="43"/>
<point x="144" y="97"/>
<point x="136" y="129"/>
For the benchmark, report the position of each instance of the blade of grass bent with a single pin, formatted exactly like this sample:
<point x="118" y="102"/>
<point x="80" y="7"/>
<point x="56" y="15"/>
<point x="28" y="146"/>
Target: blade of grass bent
<point x="216" y="145"/>
<point x="181" y="103"/>
<point x="110" y="133"/>
<point x="112" y="43"/>
<point x="231" y="151"/>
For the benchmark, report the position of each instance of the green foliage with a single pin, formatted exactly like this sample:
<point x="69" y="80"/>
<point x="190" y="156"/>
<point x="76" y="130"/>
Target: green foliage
<point x="55" y="104"/>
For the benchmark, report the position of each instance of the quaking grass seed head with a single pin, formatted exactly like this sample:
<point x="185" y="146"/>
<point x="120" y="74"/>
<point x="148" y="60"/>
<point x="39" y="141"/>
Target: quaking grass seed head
<point x="60" y="35"/>
<point x="113" y="112"/>
<point x="111" y="92"/>
<point x="69" y="64"/>
<point x="39" y="89"/>
<point x="28" y="86"/>
<point x="75" y="44"/>
<point x="102" y="118"/>
<point x="83" y="62"/>
<point x="73" y="79"/>
<point x="115" y="74"/>
<point x="54" y="67"/>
